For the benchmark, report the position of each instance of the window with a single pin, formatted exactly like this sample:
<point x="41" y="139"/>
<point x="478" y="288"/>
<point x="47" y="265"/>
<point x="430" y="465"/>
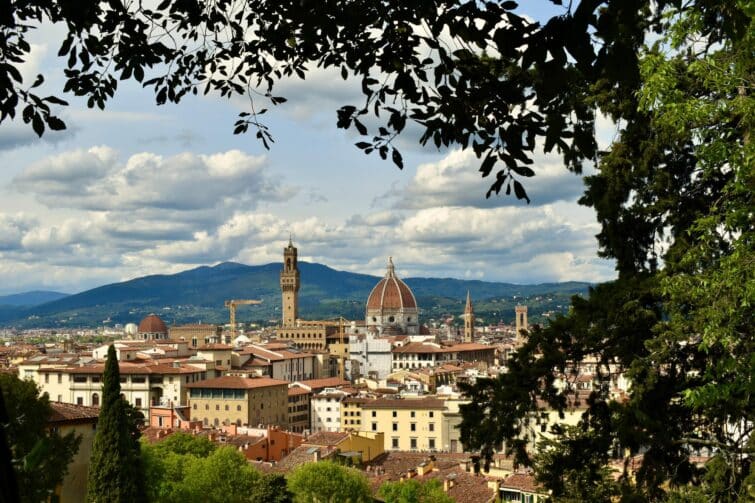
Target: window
<point x="412" y="443"/>
<point x="47" y="378"/>
<point x="218" y="362"/>
<point x="60" y="398"/>
<point x="195" y="406"/>
<point x="430" y="413"/>
<point x="374" y="426"/>
<point x="79" y="400"/>
<point x="431" y="426"/>
<point x="96" y="378"/>
<point x="170" y="379"/>
<point x="95" y="399"/>
<point x="217" y="406"/>
<point x="394" y="443"/>
<point x="374" y="413"/>
<point x="413" y="427"/>
<point x="206" y="406"/>
<point x="431" y="443"/>
<point x="412" y="413"/>
<point x="395" y="426"/>
<point x="226" y="407"/>
<point x="395" y="414"/>
<point x="138" y="402"/>
<point x="138" y="379"/>
<point x="238" y="407"/>
<point x="60" y="378"/>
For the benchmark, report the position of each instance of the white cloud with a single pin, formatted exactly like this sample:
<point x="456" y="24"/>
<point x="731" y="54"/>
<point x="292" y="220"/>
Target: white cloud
<point x="455" y="181"/>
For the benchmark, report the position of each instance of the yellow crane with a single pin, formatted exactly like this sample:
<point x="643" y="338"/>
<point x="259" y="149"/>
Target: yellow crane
<point x="231" y="305"/>
<point x="339" y="322"/>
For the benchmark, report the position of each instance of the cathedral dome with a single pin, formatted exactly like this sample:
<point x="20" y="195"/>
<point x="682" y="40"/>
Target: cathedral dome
<point x="152" y="324"/>
<point x="391" y="293"/>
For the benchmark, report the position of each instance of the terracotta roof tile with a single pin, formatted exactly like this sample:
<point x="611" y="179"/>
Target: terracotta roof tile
<point x="326" y="438"/>
<point x="233" y="382"/>
<point x="71" y="413"/>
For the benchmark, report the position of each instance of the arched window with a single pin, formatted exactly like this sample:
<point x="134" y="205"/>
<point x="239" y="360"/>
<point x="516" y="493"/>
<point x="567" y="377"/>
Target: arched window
<point x="95" y="400"/>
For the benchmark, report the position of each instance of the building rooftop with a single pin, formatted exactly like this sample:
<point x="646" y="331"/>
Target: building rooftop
<point x="69" y="413"/>
<point x="328" y="382"/>
<point x="406" y="403"/>
<point x="234" y="382"/>
<point x="327" y="438"/>
<point x="430" y="347"/>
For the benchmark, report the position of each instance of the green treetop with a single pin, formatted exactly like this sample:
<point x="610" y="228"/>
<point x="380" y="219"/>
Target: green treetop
<point x="115" y="473"/>
<point x="328" y="482"/>
<point x="39" y="456"/>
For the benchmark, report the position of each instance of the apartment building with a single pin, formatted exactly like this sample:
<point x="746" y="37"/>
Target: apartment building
<point x="326" y="409"/>
<point x="276" y="361"/>
<point x="415" y="355"/>
<point x="239" y="400"/>
<point x="299" y="403"/>
<point x="142" y="382"/>
<point x="408" y="424"/>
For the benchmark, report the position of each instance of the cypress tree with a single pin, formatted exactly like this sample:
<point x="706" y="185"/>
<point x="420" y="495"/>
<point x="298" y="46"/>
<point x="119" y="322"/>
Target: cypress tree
<point x="115" y="466"/>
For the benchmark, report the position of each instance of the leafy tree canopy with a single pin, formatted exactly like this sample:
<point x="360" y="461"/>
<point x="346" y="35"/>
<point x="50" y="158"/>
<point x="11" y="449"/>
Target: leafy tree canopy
<point x="40" y="456"/>
<point x="326" y="481"/>
<point x="412" y="491"/>
<point x="674" y="198"/>
<point x="187" y="468"/>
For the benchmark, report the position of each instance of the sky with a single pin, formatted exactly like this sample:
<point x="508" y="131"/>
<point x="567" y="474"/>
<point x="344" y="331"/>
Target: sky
<point x="141" y="189"/>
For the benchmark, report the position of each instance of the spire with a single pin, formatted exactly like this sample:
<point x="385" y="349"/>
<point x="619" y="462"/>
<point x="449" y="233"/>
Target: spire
<point x="391" y="269"/>
<point x="468" y="309"/>
<point x="290" y="240"/>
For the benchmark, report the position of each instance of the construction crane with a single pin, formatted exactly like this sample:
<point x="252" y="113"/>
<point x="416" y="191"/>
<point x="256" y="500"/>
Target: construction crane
<point x="339" y="322"/>
<point x="231" y="305"/>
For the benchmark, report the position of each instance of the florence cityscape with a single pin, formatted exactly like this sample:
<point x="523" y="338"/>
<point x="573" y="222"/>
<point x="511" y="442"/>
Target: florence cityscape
<point x="365" y="251"/>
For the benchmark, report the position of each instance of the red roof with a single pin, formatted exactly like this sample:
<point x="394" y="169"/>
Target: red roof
<point x="152" y="324"/>
<point x="234" y="382"/>
<point x="391" y="293"/>
<point x="422" y="347"/>
<point x="71" y="413"/>
<point x="328" y="382"/>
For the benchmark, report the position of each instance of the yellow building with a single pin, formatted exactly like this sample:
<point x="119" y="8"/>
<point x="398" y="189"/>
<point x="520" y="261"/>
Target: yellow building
<point x="196" y="334"/>
<point x="408" y="424"/>
<point x="81" y="420"/>
<point x="240" y="401"/>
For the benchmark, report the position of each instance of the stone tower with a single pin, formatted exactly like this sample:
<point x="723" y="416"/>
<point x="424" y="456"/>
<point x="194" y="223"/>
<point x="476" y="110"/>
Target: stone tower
<point x="469" y="320"/>
<point x="521" y="322"/>
<point x="290" y="286"/>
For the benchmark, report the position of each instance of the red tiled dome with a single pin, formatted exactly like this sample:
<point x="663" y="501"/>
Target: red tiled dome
<point x="152" y="324"/>
<point x="391" y="293"/>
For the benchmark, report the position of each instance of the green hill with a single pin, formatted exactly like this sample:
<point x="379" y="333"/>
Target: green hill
<point x="198" y="295"/>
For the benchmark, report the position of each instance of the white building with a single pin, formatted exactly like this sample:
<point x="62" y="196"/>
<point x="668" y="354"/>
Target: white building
<point x="326" y="409"/>
<point x="370" y="356"/>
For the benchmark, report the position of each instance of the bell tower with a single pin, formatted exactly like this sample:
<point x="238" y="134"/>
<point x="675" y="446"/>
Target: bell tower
<point x="290" y="285"/>
<point x="469" y="320"/>
<point x="521" y="323"/>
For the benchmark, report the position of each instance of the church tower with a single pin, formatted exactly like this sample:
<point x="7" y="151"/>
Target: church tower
<point x="469" y="320"/>
<point x="290" y="286"/>
<point x="521" y="322"/>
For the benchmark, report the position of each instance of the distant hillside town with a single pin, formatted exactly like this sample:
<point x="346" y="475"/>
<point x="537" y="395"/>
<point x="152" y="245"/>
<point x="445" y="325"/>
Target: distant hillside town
<point x="382" y="390"/>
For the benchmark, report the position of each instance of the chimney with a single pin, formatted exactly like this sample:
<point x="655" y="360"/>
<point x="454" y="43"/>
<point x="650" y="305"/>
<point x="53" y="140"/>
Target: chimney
<point x="316" y="455"/>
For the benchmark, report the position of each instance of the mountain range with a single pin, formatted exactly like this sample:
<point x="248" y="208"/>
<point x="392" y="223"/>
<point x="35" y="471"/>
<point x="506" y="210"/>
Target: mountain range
<point x="198" y="295"/>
